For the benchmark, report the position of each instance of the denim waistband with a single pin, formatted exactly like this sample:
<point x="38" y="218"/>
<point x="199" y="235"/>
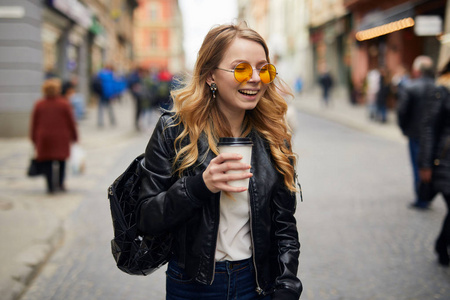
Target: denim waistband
<point x="230" y="266"/>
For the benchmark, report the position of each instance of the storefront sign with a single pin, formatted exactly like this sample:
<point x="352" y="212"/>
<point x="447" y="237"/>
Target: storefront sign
<point x="96" y="28"/>
<point x="384" y="29"/>
<point x="428" y="25"/>
<point x="74" y="10"/>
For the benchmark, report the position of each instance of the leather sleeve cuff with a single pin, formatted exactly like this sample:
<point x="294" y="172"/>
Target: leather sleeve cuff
<point x="197" y="189"/>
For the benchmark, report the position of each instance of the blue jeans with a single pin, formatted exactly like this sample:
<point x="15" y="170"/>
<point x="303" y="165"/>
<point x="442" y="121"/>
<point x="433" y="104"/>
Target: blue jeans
<point x="382" y="113"/>
<point x="414" y="155"/>
<point x="102" y="105"/>
<point x="232" y="280"/>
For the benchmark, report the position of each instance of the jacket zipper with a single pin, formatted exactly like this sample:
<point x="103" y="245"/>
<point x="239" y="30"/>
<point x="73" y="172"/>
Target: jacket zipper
<point x="259" y="290"/>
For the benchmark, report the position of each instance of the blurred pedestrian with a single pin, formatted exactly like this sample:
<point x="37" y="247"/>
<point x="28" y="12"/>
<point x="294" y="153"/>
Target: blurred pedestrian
<point x="298" y="85"/>
<point x="136" y="87"/>
<point x="164" y="86"/>
<point x="242" y="245"/>
<point x="53" y="129"/>
<point x="382" y="96"/>
<point x="326" y="83"/>
<point x="398" y="81"/>
<point x="373" y="80"/>
<point x="105" y="81"/>
<point x="150" y="101"/>
<point x="69" y="91"/>
<point x="435" y="153"/>
<point x="351" y="88"/>
<point x="410" y="111"/>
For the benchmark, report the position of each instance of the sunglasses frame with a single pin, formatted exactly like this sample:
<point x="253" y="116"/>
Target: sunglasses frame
<point x="259" y="71"/>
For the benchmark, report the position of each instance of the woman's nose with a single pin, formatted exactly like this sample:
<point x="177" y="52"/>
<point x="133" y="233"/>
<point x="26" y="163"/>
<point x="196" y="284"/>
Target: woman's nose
<point x="255" y="76"/>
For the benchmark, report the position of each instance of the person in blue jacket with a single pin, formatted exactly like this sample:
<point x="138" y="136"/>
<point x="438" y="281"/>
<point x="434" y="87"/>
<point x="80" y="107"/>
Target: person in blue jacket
<point x="108" y="90"/>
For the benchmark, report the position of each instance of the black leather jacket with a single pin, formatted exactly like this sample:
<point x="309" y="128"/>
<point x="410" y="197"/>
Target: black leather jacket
<point x="411" y="106"/>
<point x="185" y="207"/>
<point x="435" y="138"/>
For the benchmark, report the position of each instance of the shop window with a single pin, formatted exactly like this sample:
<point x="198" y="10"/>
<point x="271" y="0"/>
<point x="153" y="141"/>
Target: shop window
<point x="50" y="36"/>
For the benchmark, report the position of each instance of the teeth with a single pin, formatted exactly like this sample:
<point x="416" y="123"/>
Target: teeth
<point x="248" y="92"/>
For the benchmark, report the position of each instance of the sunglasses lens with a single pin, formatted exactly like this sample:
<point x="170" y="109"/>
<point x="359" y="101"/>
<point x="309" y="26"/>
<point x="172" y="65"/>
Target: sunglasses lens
<point x="243" y="72"/>
<point x="268" y="73"/>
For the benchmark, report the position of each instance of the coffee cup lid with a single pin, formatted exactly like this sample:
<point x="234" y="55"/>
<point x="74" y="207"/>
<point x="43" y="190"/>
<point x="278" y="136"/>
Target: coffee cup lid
<point x="235" y="141"/>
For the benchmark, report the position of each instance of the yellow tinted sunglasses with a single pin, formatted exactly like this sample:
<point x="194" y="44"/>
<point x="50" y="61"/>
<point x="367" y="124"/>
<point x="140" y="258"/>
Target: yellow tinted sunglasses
<point x="244" y="72"/>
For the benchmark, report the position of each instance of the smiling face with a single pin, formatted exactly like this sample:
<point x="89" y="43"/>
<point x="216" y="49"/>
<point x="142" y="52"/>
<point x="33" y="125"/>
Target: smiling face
<point x="234" y="97"/>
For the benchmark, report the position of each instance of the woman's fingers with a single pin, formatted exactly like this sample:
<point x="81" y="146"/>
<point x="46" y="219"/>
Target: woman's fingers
<point x="221" y="182"/>
<point x="229" y="166"/>
<point x="224" y="168"/>
<point x="226" y="156"/>
<point x="227" y="162"/>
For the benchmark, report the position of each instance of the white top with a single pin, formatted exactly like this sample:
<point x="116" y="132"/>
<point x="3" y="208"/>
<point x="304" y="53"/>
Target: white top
<point x="373" y="85"/>
<point x="234" y="240"/>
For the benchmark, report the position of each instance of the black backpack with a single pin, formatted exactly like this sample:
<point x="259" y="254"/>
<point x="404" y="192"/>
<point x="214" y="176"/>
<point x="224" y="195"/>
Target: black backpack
<point x="134" y="252"/>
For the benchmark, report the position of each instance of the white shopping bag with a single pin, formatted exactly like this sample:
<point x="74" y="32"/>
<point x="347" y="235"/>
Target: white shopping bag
<point x="77" y="160"/>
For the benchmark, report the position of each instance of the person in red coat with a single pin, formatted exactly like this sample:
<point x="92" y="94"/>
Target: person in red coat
<point x="53" y="129"/>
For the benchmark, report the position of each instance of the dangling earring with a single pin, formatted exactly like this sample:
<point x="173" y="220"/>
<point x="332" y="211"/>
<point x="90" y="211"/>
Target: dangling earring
<point x="213" y="88"/>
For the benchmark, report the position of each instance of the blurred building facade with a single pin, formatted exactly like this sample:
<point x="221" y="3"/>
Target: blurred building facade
<point x="306" y="36"/>
<point x="158" y="35"/>
<point x="283" y="24"/>
<point x="444" y="54"/>
<point x="390" y="34"/>
<point x="302" y="36"/>
<point x="330" y="37"/>
<point x="63" y="38"/>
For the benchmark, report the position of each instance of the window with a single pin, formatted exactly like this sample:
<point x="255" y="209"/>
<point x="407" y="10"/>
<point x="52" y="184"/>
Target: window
<point x="153" y="40"/>
<point x="153" y="10"/>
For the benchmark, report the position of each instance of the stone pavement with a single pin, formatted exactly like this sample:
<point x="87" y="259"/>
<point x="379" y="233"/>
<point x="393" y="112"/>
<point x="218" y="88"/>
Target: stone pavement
<point x="32" y="222"/>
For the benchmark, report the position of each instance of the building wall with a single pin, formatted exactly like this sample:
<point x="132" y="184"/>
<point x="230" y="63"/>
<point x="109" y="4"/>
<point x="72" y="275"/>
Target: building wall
<point x="256" y="14"/>
<point x="158" y="35"/>
<point x="323" y="11"/>
<point x="444" y="53"/>
<point x="20" y="65"/>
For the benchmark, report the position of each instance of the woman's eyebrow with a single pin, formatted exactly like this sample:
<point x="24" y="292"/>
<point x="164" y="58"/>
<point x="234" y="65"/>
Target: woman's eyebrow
<point x="262" y="62"/>
<point x="236" y="61"/>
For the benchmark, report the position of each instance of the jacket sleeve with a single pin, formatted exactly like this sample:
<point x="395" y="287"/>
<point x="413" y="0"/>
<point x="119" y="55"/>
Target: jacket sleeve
<point x="287" y="284"/>
<point x="71" y="123"/>
<point x="33" y="125"/>
<point x="430" y="126"/>
<point x="165" y="200"/>
<point x="403" y="108"/>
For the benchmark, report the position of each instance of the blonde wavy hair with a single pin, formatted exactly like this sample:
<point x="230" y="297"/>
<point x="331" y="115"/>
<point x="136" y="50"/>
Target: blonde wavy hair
<point x="201" y="116"/>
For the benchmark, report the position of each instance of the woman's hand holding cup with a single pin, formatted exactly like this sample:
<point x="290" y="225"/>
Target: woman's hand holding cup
<point x="224" y="169"/>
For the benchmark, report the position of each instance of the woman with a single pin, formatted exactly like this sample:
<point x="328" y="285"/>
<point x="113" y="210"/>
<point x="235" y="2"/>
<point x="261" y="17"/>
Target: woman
<point x="221" y="252"/>
<point x="52" y="130"/>
<point x="435" y="154"/>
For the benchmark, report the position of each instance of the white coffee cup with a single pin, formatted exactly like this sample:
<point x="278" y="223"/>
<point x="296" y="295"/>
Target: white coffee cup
<point x="242" y="146"/>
